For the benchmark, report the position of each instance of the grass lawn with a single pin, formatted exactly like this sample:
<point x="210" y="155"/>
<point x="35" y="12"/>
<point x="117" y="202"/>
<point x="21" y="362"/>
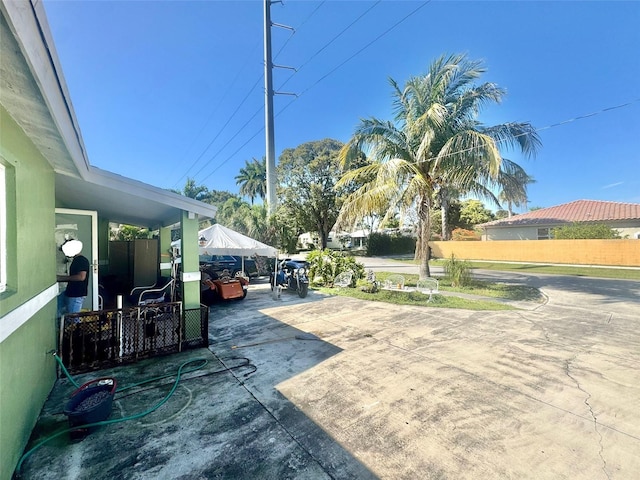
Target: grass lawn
<point x="597" y="272"/>
<point x="484" y="289"/>
<point x="417" y="299"/>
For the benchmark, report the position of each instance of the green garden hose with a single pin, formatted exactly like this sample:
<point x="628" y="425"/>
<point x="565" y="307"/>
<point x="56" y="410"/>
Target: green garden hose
<point x="201" y="362"/>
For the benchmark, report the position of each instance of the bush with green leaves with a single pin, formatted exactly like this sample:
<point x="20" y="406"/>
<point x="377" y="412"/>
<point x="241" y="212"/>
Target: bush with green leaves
<point x="463" y="235"/>
<point x="325" y="265"/>
<point x="591" y="231"/>
<point x="385" y="244"/>
<point x="458" y="271"/>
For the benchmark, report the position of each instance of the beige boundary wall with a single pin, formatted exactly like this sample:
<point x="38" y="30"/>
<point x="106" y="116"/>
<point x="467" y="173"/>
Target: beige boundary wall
<point x="624" y="253"/>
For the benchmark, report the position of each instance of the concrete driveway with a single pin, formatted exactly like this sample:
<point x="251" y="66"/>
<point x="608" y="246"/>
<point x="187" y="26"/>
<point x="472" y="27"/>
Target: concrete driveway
<point x="340" y="388"/>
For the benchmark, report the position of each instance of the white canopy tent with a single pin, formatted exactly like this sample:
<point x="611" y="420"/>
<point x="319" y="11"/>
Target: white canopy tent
<point x="219" y="240"/>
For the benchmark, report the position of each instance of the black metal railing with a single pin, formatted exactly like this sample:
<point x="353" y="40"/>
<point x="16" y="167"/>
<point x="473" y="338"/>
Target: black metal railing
<point x="100" y="339"/>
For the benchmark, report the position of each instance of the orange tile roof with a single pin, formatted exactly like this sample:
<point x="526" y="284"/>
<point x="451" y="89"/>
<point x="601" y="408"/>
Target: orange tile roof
<point x="577" y="211"/>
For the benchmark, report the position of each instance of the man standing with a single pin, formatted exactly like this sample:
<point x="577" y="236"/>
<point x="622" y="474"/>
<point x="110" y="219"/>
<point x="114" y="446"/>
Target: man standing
<point x="71" y="300"/>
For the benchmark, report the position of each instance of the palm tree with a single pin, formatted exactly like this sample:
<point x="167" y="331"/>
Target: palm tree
<point x="253" y="179"/>
<point x="435" y="142"/>
<point x="513" y="184"/>
<point x="511" y="181"/>
<point x="197" y="192"/>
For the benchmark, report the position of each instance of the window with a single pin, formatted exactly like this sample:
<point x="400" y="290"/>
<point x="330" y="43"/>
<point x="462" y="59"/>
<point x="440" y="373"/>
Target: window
<point x="544" y="234"/>
<point x="3" y="229"/>
<point x="7" y="228"/>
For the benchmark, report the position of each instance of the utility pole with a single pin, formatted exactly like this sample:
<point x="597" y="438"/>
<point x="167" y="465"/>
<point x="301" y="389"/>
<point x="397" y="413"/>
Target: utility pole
<point x="268" y="111"/>
<point x="268" y="106"/>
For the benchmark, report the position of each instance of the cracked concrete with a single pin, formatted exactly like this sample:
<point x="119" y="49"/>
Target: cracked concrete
<point x="595" y="419"/>
<point x="385" y="391"/>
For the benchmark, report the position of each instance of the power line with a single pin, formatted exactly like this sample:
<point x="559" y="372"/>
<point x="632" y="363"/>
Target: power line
<point x="297" y="28"/>
<point x="548" y="127"/>
<point x="227" y="123"/>
<point x="317" y="82"/>
<point x="593" y="114"/>
<point x="238" y="108"/>
<point x="331" y="41"/>
<point x="211" y="116"/>
<point x="228" y="142"/>
<point x="554" y="125"/>
<point x="231" y="156"/>
<point x="413" y="12"/>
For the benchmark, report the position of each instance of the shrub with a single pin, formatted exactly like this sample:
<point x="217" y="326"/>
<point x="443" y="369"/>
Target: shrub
<point x="325" y="265"/>
<point x="384" y="244"/>
<point x="460" y="234"/>
<point x="458" y="271"/>
<point x="584" y="231"/>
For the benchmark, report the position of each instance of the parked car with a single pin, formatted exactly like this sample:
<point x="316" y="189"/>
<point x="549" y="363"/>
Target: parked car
<point x="218" y="263"/>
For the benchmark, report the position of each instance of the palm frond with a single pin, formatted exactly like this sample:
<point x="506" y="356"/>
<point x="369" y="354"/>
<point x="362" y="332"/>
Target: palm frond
<point x="521" y="135"/>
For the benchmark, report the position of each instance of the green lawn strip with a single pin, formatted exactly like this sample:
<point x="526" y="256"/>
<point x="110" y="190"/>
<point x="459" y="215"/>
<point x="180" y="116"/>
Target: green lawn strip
<point x="484" y="289"/>
<point x="596" y="272"/>
<point x="416" y="299"/>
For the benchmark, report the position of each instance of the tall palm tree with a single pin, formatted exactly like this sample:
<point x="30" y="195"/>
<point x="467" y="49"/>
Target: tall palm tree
<point x="513" y="183"/>
<point x="191" y="190"/>
<point x="435" y="142"/>
<point x="253" y="179"/>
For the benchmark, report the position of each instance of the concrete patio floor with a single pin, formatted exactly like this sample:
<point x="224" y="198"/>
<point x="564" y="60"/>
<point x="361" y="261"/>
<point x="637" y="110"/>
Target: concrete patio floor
<point x="338" y="388"/>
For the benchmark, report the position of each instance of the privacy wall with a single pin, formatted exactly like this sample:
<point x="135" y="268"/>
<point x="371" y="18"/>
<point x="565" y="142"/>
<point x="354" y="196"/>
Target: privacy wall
<point x="623" y="253"/>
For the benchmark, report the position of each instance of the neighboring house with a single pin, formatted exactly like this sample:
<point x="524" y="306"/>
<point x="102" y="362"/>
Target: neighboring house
<point x="307" y="239"/>
<point x="538" y="224"/>
<point x="359" y="239"/>
<point x="48" y="190"/>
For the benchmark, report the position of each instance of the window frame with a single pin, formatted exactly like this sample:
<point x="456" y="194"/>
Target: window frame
<point x="3" y="229"/>
<point x="543" y="236"/>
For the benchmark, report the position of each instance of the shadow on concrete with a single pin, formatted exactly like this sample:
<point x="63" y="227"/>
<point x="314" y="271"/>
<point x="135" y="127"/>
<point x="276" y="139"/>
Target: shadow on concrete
<point x="226" y="420"/>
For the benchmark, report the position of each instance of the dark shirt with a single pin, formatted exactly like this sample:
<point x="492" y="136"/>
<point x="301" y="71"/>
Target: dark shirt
<point x="78" y="288"/>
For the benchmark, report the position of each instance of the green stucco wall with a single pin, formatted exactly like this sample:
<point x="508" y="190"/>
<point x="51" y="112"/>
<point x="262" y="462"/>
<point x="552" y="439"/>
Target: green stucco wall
<point x="27" y="373"/>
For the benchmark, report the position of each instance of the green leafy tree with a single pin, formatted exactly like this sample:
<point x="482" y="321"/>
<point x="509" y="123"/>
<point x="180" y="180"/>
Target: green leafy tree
<point x="130" y="232"/>
<point x="500" y="214"/>
<point x="584" y="231"/>
<point x="473" y="212"/>
<point x="197" y="192"/>
<point x="307" y="177"/>
<point x="219" y="197"/>
<point x="253" y="179"/>
<point x="434" y="142"/>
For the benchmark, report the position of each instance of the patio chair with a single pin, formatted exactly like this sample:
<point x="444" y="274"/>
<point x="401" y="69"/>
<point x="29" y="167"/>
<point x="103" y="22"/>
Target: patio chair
<point x="343" y="280"/>
<point x="162" y="291"/>
<point x="428" y="286"/>
<point x="394" y="282"/>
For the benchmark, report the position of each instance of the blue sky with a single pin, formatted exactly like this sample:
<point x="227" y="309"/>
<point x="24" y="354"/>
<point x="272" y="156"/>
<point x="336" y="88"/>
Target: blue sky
<point x="165" y="90"/>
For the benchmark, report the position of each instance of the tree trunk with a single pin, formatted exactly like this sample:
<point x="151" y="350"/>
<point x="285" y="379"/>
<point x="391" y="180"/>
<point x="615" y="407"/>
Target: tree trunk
<point x="323" y="238"/>
<point x="444" y="207"/>
<point x="422" y="245"/>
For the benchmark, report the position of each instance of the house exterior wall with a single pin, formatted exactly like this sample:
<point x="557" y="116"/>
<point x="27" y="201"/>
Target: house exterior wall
<point x="510" y="233"/>
<point x="624" y="253"/>
<point x="28" y="307"/>
<point x="626" y="229"/>
<point x="312" y="238"/>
